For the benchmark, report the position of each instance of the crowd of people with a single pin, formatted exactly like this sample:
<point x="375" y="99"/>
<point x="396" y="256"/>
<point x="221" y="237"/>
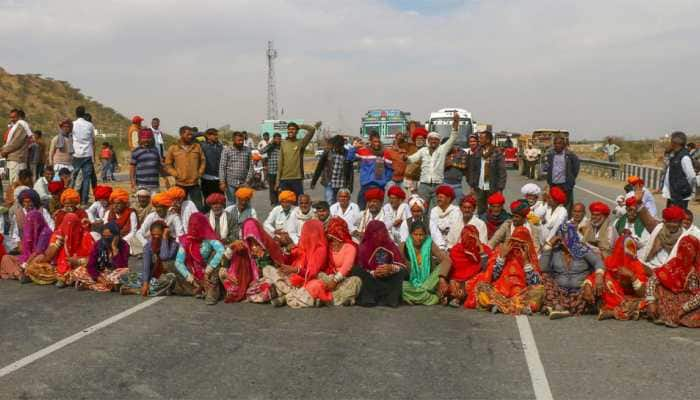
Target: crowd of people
<point x="413" y="236"/>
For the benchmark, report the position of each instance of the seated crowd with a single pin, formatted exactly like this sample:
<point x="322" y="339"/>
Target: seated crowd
<point x="529" y="257"/>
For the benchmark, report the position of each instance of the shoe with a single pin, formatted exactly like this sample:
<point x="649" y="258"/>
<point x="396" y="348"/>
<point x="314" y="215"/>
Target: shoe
<point x="210" y="302"/>
<point x="558" y="314"/>
<point x="494" y="310"/>
<point x="454" y="303"/>
<point x="605" y="314"/>
<point x="60" y="284"/>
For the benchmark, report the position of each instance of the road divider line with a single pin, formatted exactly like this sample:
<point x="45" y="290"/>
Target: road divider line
<point x="74" y="338"/>
<point x="608" y="199"/>
<point x="534" y="364"/>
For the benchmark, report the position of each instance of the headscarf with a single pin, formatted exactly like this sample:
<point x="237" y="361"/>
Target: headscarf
<point x="337" y="229"/>
<point x="287" y="195"/>
<point x="70" y="195"/>
<point x="35" y="235"/>
<point x="419" y="273"/>
<point x="244" y="193"/>
<point x="624" y="255"/>
<point x="106" y="259"/>
<point x="520" y="207"/>
<point x="311" y="254"/>
<point x="119" y="195"/>
<point x="416" y="200"/>
<point x="571" y="242"/>
<point x="72" y="231"/>
<point x="377" y="240"/>
<point x="674" y="274"/>
<point x="102" y="192"/>
<point x="465" y="256"/>
<point x="61" y="142"/>
<point x="198" y="230"/>
<point x="30" y="194"/>
<point x="215" y="198"/>
<point x="513" y="278"/>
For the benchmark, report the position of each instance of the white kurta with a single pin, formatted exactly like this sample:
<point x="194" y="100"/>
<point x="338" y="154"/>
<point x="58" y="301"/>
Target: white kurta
<point x="285" y="221"/>
<point x="444" y="226"/>
<point x="391" y="216"/>
<point x="351" y="215"/>
<point x="553" y="220"/>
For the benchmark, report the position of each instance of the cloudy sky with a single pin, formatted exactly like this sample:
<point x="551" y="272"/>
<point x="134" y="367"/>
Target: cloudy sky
<point x="596" y="67"/>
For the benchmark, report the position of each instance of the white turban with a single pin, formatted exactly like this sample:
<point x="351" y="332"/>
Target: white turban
<point x="530" y="188"/>
<point x="143" y="192"/>
<point x="416" y="200"/>
<point x="434" y="135"/>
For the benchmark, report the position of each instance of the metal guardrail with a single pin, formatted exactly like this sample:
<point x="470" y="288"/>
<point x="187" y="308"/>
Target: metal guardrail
<point x="620" y="172"/>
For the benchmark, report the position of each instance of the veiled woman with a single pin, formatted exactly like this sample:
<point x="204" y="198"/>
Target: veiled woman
<point x="108" y="262"/>
<point x="428" y="268"/>
<point x="35" y="240"/>
<point x="469" y="257"/>
<point x="381" y="267"/>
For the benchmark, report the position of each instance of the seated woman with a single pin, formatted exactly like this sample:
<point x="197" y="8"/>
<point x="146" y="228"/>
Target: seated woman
<point x="69" y="247"/>
<point x="381" y="267"/>
<point x="125" y="218"/>
<point x="197" y="261"/>
<point x="673" y="292"/>
<point x="27" y="200"/>
<point x="244" y="280"/>
<point x="428" y="268"/>
<point x="469" y="257"/>
<point x="108" y="262"/>
<point x="624" y="282"/>
<point x="511" y="283"/>
<point x="35" y="240"/>
<point x="158" y="257"/>
<point x="565" y="264"/>
<point x="307" y="259"/>
<point x="335" y="285"/>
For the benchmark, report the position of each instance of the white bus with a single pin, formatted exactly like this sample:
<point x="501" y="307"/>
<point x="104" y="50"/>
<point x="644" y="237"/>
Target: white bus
<point x="441" y="122"/>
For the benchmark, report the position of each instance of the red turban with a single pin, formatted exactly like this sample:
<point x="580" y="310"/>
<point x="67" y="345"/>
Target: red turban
<point x="520" y="207"/>
<point x="631" y="201"/>
<point x="557" y="194"/>
<point x="397" y="191"/>
<point x="56" y="187"/>
<point x="374" y="193"/>
<point x="136" y="119"/>
<point x="673" y="214"/>
<point x="496" y="199"/>
<point x="145" y="134"/>
<point x="216" y="198"/>
<point x="419" y="132"/>
<point x="446" y="190"/>
<point x="599" y="207"/>
<point x="469" y="199"/>
<point x="102" y="192"/>
<point x="67" y="123"/>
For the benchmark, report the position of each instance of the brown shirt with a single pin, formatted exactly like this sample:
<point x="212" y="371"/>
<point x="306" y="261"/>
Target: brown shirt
<point x="185" y="162"/>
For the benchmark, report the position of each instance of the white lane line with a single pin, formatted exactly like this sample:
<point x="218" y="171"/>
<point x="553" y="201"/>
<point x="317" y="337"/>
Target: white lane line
<point x="73" y="338"/>
<point x="595" y="194"/>
<point x="539" y="379"/>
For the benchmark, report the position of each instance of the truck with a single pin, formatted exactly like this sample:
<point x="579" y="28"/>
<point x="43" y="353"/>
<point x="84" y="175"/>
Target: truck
<point x="543" y="139"/>
<point x="385" y="121"/>
<point x="440" y="121"/>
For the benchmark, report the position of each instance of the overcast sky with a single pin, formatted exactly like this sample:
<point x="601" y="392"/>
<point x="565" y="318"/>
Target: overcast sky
<point x="595" y="67"/>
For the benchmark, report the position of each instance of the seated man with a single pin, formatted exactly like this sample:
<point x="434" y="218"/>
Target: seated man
<point x="664" y="236"/>
<point x="538" y="208"/>
<point x="96" y="211"/>
<point x="556" y="213"/>
<point x="242" y="210"/>
<point x="416" y="205"/>
<point x="42" y="186"/>
<point x="281" y="223"/>
<point x="125" y="217"/>
<point x="632" y="223"/>
<point x="161" y="212"/>
<point x="303" y="212"/>
<point x="346" y="209"/>
<point x="143" y="204"/>
<point x="374" y="197"/>
<point x="158" y="258"/>
<point x="181" y="204"/>
<point x="598" y="232"/>
<point x="445" y="218"/>
<point x="495" y="215"/>
<point x="220" y="220"/>
<point x="468" y="208"/>
<point x="395" y="212"/>
<point x="520" y="209"/>
<point x="322" y="213"/>
<point x="578" y="216"/>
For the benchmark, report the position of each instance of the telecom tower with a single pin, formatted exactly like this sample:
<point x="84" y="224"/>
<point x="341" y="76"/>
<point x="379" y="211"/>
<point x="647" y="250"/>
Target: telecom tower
<point x="271" y="87"/>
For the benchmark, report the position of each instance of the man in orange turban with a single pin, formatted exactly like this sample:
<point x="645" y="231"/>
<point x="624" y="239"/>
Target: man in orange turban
<point x="69" y="204"/>
<point x="185" y="208"/>
<point x="125" y="217"/>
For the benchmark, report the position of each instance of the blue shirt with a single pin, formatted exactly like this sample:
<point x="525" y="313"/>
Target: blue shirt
<point x="147" y="163"/>
<point x="207" y="247"/>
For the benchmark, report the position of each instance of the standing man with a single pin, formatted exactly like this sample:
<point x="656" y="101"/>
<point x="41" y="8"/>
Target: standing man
<point x="290" y="168"/>
<point x="531" y="155"/>
<point x="185" y="162"/>
<point x="264" y="141"/>
<point x="487" y="171"/>
<point x="83" y="151"/>
<point x="235" y="167"/>
<point x="432" y="158"/>
<point x="133" y="132"/>
<point x="679" y="178"/>
<point x="375" y="166"/>
<point x="455" y="169"/>
<point x="333" y="169"/>
<point x="212" y="149"/>
<point x="610" y="149"/>
<point x="36" y="155"/>
<point x="396" y="153"/>
<point x="273" y="155"/>
<point x="144" y="169"/>
<point x="16" y="143"/>
<point x="158" y="137"/>
<point x="562" y="169"/>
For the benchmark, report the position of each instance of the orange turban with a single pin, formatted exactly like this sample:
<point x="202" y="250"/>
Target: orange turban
<point x="245" y="193"/>
<point x="176" y="193"/>
<point x="287" y="195"/>
<point x="102" y="192"/>
<point x="70" y="195"/>
<point x="162" y="200"/>
<point x="119" y="195"/>
<point x="634" y="180"/>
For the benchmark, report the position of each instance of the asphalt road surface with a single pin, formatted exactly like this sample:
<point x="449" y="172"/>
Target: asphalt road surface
<point x="69" y="344"/>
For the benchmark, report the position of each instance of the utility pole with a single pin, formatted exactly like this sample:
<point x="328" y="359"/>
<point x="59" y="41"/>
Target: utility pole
<point x="271" y="86"/>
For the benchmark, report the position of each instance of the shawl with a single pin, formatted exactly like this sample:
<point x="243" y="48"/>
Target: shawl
<point x="223" y="223"/>
<point x="447" y="222"/>
<point x="465" y="256"/>
<point x="198" y="230"/>
<point x="377" y="248"/>
<point x="64" y="142"/>
<point x="419" y="273"/>
<point x="123" y="221"/>
<point x="493" y="222"/>
<point x="337" y="229"/>
<point x="486" y="153"/>
<point x="668" y="239"/>
<point x="674" y="274"/>
<point x="35" y="236"/>
<point x="311" y="253"/>
<point x="73" y="232"/>
<point x="513" y="278"/>
<point x="624" y="255"/>
<point x="367" y="218"/>
<point x="571" y="241"/>
<point x="594" y="236"/>
<point x="638" y="225"/>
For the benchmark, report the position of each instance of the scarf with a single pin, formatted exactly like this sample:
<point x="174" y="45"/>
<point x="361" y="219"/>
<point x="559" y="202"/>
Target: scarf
<point x="379" y="163"/>
<point x="123" y="220"/>
<point x="448" y="222"/>
<point x="223" y="223"/>
<point x="486" y="153"/>
<point x="493" y="222"/>
<point x="419" y="273"/>
<point x="63" y="143"/>
<point x="597" y="235"/>
<point x="104" y="248"/>
<point x="667" y="239"/>
<point x="622" y="222"/>
<point x="377" y="248"/>
<point x="11" y="132"/>
<point x="35" y="236"/>
<point x="571" y="244"/>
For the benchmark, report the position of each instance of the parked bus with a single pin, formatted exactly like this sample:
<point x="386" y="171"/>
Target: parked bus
<point x="387" y="122"/>
<point x="441" y="122"/>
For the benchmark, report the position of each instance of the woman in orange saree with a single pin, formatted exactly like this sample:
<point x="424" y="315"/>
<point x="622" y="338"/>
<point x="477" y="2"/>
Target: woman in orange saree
<point x="624" y="282"/>
<point x="673" y="292"/>
<point x="69" y="248"/>
<point x="511" y="283"/>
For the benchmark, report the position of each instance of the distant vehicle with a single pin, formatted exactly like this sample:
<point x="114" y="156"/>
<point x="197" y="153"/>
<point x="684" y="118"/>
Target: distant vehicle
<point x="387" y="122"/>
<point x="508" y="142"/>
<point x="441" y="122"/>
<point x="543" y="139"/>
<point x="273" y="126"/>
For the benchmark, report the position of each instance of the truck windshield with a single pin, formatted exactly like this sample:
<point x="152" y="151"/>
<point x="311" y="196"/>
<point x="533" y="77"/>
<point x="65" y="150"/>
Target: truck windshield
<point x="443" y="126"/>
<point x="393" y="129"/>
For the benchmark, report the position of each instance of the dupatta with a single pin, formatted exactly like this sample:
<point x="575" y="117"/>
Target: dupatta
<point x="375" y="242"/>
<point x="465" y="255"/>
<point x="35" y="236"/>
<point x="674" y="274"/>
<point x="198" y="230"/>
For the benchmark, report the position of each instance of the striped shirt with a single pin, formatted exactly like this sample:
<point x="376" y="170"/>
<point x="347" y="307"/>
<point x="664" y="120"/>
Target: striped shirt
<point x="147" y="163"/>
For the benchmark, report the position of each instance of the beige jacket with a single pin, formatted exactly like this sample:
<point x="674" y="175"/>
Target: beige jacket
<point x="18" y="147"/>
<point x="502" y="234"/>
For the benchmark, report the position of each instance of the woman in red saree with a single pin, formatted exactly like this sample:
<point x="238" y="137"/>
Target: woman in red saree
<point x="673" y="292"/>
<point x="624" y="282"/>
<point x="307" y="259"/>
<point x="468" y="257"/>
<point x="511" y="283"/>
<point x="244" y="277"/>
<point x="69" y="248"/>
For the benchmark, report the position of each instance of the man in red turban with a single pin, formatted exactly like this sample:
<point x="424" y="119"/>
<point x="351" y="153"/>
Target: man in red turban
<point x="396" y="211"/>
<point x="663" y="237"/>
<point x="374" y="197"/>
<point x="55" y="188"/>
<point x="445" y="219"/>
<point x="556" y="213"/>
<point x="495" y="215"/>
<point x="97" y="209"/>
<point x="597" y="232"/>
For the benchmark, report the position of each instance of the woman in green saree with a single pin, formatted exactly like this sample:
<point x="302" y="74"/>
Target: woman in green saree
<point x="429" y="268"/>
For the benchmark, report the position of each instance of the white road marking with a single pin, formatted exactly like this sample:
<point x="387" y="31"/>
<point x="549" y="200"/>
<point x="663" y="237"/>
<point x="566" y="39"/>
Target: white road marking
<point x="608" y="199"/>
<point x="539" y="378"/>
<point x="73" y="338"/>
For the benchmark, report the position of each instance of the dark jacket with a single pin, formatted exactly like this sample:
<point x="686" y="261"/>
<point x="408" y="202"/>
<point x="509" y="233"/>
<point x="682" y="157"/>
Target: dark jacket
<point x="324" y="170"/>
<point x="572" y="167"/>
<point x="497" y="170"/>
<point x="679" y="185"/>
<point x="212" y="155"/>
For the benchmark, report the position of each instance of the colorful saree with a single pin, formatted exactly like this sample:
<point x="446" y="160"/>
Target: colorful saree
<point x="466" y="262"/>
<point x="35" y="240"/>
